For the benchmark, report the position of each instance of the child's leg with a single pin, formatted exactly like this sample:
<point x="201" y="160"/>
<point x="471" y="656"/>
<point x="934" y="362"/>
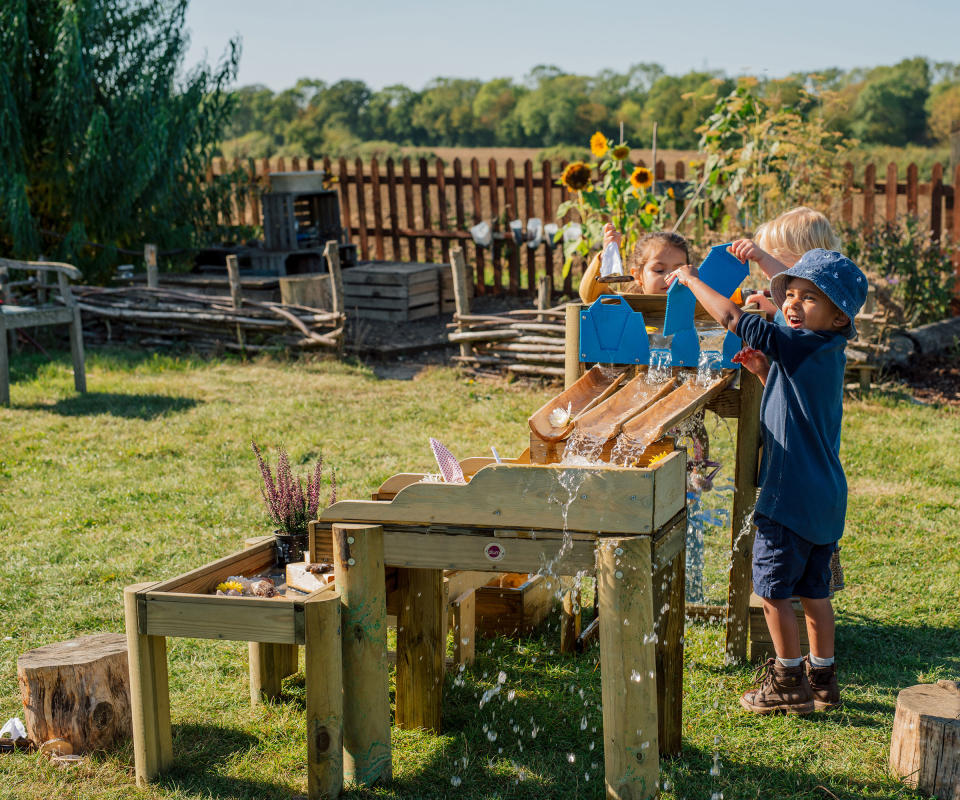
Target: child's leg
<point x="782" y="623"/>
<point x="820" y="626"/>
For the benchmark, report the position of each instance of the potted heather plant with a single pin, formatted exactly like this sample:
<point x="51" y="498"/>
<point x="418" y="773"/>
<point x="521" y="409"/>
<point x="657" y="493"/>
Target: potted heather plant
<point x="290" y="506"/>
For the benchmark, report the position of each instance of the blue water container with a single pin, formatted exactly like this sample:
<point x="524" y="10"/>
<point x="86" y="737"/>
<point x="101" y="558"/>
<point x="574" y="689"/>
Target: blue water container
<point x="611" y="332"/>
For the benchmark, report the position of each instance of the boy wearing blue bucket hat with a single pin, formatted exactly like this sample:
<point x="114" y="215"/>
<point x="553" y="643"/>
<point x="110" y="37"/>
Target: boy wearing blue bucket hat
<point x="800" y="512"/>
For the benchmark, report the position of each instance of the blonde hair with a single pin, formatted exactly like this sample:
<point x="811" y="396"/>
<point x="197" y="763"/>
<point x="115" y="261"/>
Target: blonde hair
<point x="795" y="232"/>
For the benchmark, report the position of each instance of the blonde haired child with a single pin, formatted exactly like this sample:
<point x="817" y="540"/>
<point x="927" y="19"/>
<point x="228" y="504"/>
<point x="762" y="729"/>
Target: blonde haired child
<point x="654" y="257"/>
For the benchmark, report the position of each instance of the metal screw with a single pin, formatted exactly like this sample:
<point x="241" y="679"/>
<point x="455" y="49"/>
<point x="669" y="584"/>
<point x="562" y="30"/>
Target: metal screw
<point x="351" y="561"/>
<point x="497" y="512"/>
<point x="349" y="540"/>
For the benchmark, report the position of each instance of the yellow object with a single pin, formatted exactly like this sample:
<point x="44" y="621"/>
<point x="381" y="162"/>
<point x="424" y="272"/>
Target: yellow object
<point x="576" y="176"/>
<point x="598" y="144"/>
<point x="652" y="329"/>
<point x="641" y="178"/>
<point x="226" y="586"/>
<point x="620" y="152"/>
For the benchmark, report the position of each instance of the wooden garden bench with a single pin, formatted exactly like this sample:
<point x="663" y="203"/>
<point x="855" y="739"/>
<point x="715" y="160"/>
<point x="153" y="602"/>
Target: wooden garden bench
<point x="47" y="311"/>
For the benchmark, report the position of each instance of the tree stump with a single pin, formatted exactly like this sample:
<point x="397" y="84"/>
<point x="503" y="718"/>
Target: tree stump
<point x="77" y="690"/>
<point x="925" y="747"/>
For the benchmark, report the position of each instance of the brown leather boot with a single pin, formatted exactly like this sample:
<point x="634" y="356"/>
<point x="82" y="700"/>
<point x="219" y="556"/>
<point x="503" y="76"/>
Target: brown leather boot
<point x="782" y="689"/>
<point x="823" y="684"/>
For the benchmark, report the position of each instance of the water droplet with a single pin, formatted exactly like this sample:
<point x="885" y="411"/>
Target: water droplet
<point x="455" y="780"/>
<point x="586" y="776"/>
<point x="492" y="736"/>
<point x="635" y="676"/>
<point x="618" y="574"/>
<point x="583" y="722"/>
<point x="571" y="757"/>
<point x="501" y="677"/>
<point x="511" y="694"/>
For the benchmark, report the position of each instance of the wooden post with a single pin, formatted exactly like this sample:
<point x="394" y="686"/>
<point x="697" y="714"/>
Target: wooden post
<point x="891" y="193"/>
<point x="236" y="292"/>
<point x="361" y="208"/>
<point x="149" y="691"/>
<point x="544" y="294"/>
<point x="425" y="213"/>
<point x="913" y="191"/>
<point x="869" y="197"/>
<point x="421" y="643"/>
<point x="150" y="259"/>
<point x="331" y="254"/>
<point x="324" y="682"/>
<point x="510" y="207"/>
<point x="76" y="334"/>
<point x="358" y="564"/>
<point x="628" y="669"/>
<point x="669" y="602"/>
<point x="741" y="526"/>
<point x="461" y="294"/>
<point x="571" y="363"/>
<point x="936" y="202"/>
<point x="410" y="212"/>
<point x="570" y="621"/>
<point x="465" y="628"/>
<point x="481" y="273"/>
<point x="548" y="215"/>
<point x="493" y="185"/>
<point x="925" y="745"/>
<point x="377" y="207"/>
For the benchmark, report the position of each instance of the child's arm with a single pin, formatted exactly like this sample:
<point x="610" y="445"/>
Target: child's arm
<point x="745" y="249"/>
<point x="590" y="289"/>
<point x="721" y="308"/>
<point x="755" y="361"/>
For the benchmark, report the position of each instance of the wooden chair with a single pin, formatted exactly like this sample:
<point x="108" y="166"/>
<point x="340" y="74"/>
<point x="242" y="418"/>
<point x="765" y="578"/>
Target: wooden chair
<point x="45" y="312"/>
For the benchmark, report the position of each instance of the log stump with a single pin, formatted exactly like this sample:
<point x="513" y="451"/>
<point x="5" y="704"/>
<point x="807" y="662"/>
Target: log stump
<point x="925" y="746"/>
<point x="77" y="690"/>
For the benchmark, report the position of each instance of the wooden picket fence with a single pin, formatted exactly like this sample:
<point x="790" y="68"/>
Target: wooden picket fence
<point x="414" y="210"/>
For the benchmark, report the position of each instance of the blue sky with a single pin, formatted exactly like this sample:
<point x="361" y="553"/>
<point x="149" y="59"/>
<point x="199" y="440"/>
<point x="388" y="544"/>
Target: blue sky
<point x="411" y="42"/>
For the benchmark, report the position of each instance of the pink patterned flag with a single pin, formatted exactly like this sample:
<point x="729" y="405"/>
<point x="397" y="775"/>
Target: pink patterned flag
<point x="447" y="461"/>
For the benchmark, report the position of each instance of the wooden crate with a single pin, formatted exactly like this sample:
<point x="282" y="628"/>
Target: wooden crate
<point x="296" y="221"/>
<point x="761" y="645"/>
<point x="391" y="290"/>
<point x="447" y="300"/>
<point x="312" y="291"/>
<point x="514" y="604"/>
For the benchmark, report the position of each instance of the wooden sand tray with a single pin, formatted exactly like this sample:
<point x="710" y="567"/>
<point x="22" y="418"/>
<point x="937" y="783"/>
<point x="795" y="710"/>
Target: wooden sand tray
<point x="592" y="388"/>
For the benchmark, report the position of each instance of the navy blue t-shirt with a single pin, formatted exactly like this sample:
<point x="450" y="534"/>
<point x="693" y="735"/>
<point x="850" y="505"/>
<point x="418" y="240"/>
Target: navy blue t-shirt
<point x="802" y="482"/>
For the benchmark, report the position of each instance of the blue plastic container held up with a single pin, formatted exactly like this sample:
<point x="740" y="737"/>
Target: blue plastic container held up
<point x="613" y="333"/>
<point x="720" y="270"/>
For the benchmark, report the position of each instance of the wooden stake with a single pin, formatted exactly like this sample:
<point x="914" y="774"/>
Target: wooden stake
<point x="149" y="692"/>
<point x="236" y="293"/>
<point x="331" y="254"/>
<point x="421" y="643"/>
<point x="741" y="528"/>
<point x="150" y="260"/>
<point x="570" y="621"/>
<point x="571" y="367"/>
<point x="461" y="295"/>
<point x="544" y="290"/>
<point x="628" y="669"/>
<point x="358" y="564"/>
<point x="465" y="628"/>
<point x="324" y="682"/>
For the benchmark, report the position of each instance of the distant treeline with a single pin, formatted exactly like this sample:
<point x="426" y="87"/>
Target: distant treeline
<point x="916" y="101"/>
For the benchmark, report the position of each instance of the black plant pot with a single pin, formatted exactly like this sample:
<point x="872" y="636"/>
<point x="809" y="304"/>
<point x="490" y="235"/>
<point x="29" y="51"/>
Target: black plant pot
<point x="290" y="547"/>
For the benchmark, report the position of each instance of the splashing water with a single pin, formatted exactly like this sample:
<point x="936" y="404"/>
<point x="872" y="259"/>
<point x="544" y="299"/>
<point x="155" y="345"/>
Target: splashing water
<point x="628" y="448"/>
<point x="582" y="449"/>
<point x="708" y="367"/>
<point x="661" y="362"/>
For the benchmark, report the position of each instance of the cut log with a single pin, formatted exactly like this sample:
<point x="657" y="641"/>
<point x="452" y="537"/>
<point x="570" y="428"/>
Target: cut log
<point x="77" y="690"/>
<point x="925" y="746"/>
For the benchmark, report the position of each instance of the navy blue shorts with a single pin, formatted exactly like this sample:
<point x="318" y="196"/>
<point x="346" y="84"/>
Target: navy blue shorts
<point x="787" y="565"/>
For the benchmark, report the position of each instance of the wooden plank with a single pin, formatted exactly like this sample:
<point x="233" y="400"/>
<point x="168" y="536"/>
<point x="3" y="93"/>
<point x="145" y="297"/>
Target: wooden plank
<point x="628" y="666"/>
<point x="425" y="210"/>
<point x="846" y="213"/>
<point x="359" y="567"/>
<point x="741" y="527"/>
<point x="913" y="205"/>
<point x="442" y="209"/>
<point x="361" y="209"/>
<point x="377" y="206"/>
<point x="149" y="692"/>
<point x="465" y="628"/>
<point x="936" y="201"/>
<point x="26" y="316"/>
<point x="421" y="641"/>
<point x="618" y="500"/>
<point x="393" y="210"/>
<point x="323" y="675"/>
<point x="547" y="181"/>
<point x="512" y="212"/>
<point x="481" y="274"/>
<point x="669" y="488"/>
<point x="207" y="616"/>
<point x="668" y="601"/>
<point x="669" y="541"/>
<point x="891" y="193"/>
<point x="344" y="183"/>
<point x="410" y="214"/>
<point x="495" y="223"/>
<point x="869" y="197"/>
<point x="202" y="580"/>
<point x="528" y="197"/>
<point x="571" y="366"/>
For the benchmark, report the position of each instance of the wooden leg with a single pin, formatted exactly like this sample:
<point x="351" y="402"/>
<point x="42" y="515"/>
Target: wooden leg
<point x="358" y="564"/>
<point x="628" y="669"/>
<point x="570" y="620"/>
<point x="76" y="351"/>
<point x="420" y="649"/>
<point x="741" y="528"/>
<point x="266" y="670"/>
<point x="149" y="693"/>
<point x="465" y="628"/>
<point x="668" y="601"/>
<point x="324" y="682"/>
<point x="4" y="365"/>
<point x="289" y="659"/>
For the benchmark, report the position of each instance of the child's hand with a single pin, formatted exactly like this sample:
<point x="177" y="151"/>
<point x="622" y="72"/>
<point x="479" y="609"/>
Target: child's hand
<point x="755" y="361"/>
<point x="746" y="249"/>
<point x="765" y="303"/>
<point x="684" y="275"/>
<point x="611" y="234"/>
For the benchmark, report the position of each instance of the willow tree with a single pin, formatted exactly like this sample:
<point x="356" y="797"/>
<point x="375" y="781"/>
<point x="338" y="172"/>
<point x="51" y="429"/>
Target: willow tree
<point x="104" y="137"/>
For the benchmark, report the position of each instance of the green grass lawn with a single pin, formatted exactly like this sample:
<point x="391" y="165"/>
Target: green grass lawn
<point x="151" y="473"/>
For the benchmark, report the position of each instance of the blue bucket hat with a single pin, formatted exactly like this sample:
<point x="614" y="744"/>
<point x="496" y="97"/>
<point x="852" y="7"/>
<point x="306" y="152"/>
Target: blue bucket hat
<point x="833" y="274"/>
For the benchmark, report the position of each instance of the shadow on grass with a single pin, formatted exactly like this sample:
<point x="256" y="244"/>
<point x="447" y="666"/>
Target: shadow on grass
<point x="199" y="750"/>
<point x="128" y="406"/>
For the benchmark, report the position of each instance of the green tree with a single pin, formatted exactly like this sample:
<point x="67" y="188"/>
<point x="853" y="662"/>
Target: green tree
<point x="444" y="111"/>
<point x="389" y="115"/>
<point x="943" y="108"/>
<point x="890" y="108"/>
<point x="493" y="112"/>
<point x="678" y="104"/>
<point x="102" y="134"/>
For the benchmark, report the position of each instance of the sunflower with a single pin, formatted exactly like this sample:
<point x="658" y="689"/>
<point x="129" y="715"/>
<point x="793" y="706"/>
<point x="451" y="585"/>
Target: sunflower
<point x="670" y="193"/>
<point x="651" y="208"/>
<point x="620" y="152"/>
<point x="598" y="144"/>
<point x="576" y="176"/>
<point x="642" y="178"/>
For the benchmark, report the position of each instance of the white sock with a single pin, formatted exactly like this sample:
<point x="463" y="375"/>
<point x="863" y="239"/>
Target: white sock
<point x="815" y="661"/>
<point x="790" y="662"/>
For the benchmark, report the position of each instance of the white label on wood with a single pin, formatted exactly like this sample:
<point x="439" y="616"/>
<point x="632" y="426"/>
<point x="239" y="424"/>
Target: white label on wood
<point x="494" y="551"/>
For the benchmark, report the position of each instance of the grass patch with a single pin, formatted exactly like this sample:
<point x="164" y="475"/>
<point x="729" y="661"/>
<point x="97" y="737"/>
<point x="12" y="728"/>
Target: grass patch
<point x="151" y="474"/>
